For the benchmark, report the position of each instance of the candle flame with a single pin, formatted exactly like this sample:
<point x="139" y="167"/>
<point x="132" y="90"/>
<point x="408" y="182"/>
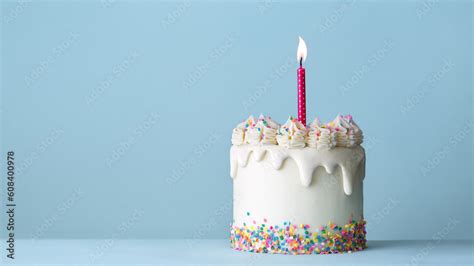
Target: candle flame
<point x="302" y="50"/>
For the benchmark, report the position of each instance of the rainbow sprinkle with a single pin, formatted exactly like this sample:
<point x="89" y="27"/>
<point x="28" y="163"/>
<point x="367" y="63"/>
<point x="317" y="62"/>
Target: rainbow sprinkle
<point x="296" y="240"/>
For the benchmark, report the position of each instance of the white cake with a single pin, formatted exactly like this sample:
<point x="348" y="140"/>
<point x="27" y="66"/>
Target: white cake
<point x="298" y="190"/>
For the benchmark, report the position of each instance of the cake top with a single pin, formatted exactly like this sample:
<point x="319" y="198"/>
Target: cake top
<point x="341" y="132"/>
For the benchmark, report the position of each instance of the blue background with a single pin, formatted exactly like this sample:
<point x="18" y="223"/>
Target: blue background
<point x="120" y="114"/>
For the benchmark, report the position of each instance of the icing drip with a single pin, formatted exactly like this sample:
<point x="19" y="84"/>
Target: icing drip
<point x="306" y="159"/>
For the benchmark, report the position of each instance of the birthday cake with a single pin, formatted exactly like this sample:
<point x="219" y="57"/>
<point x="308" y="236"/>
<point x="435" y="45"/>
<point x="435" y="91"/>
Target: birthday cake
<point x="297" y="189"/>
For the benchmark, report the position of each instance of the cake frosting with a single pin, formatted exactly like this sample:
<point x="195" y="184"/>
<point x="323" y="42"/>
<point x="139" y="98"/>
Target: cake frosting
<point x="238" y="133"/>
<point x="341" y="132"/>
<point x="292" y="134"/>
<point x="320" y="137"/>
<point x="346" y="131"/>
<point x="251" y="131"/>
<point x="297" y="189"/>
<point x="262" y="132"/>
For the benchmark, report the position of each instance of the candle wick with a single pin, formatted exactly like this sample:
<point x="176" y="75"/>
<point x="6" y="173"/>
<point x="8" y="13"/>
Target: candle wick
<point x="301" y="62"/>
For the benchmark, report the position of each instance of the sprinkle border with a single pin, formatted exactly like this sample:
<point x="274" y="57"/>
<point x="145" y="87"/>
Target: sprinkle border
<point x="297" y="240"/>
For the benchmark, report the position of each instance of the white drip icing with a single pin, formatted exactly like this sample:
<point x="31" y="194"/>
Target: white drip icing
<point x="306" y="159"/>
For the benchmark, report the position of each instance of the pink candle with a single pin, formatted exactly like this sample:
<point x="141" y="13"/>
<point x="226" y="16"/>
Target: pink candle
<point x="301" y="95"/>
<point x="301" y="56"/>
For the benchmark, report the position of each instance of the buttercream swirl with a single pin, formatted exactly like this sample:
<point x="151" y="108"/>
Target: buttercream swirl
<point x="292" y="134"/>
<point x="238" y="133"/>
<point x="355" y="133"/>
<point x="262" y="132"/>
<point x="252" y="131"/>
<point x="320" y="136"/>
<point x="346" y="131"/>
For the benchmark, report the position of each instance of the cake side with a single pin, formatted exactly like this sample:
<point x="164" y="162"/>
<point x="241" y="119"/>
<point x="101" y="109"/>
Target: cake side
<point x="279" y="193"/>
<point x="276" y="211"/>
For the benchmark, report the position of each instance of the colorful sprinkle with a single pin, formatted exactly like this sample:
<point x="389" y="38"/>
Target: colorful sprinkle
<point x="293" y="239"/>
